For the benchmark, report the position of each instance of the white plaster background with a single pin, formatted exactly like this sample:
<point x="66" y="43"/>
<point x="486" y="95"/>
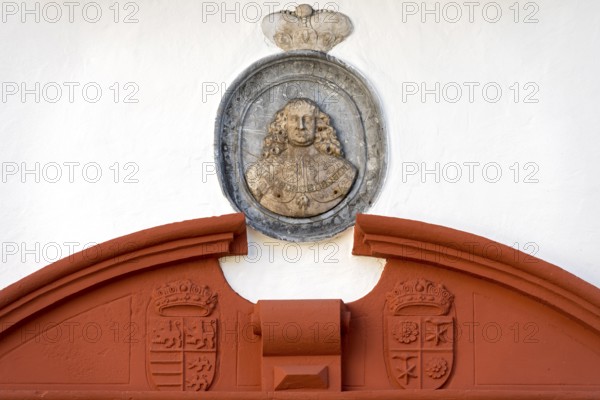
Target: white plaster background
<point x="170" y="53"/>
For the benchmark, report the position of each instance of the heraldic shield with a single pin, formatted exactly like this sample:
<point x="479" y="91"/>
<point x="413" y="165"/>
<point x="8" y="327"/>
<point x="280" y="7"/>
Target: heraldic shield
<point x="182" y="337"/>
<point x="419" y="334"/>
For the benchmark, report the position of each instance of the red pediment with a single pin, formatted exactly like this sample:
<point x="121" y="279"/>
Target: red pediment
<point x="150" y="315"/>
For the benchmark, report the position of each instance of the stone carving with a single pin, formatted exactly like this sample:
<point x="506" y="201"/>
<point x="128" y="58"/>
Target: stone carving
<point x="305" y="347"/>
<point x="242" y="128"/>
<point x="406" y="369"/>
<point x="406" y="332"/>
<point x="306" y="29"/>
<point x="183" y="293"/>
<point x="302" y="172"/>
<point x="202" y="336"/>
<point x="182" y="337"/>
<point x="432" y="298"/>
<point x="436" y="367"/>
<point x="294" y="187"/>
<point x="418" y="335"/>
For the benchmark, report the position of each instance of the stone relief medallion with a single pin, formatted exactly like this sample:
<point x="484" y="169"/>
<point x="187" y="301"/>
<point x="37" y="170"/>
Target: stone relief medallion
<point x="182" y="337"/>
<point x="299" y="140"/>
<point x="419" y="334"/>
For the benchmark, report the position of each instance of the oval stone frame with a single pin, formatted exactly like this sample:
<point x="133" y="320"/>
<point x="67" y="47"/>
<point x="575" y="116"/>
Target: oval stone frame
<point x="250" y="105"/>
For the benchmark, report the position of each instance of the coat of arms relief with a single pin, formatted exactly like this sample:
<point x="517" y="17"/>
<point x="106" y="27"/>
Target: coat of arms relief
<point x="419" y="334"/>
<point x="182" y="337"/>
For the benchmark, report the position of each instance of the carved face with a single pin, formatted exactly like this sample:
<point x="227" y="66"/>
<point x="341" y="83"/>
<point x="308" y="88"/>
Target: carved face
<point x="301" y="124"/>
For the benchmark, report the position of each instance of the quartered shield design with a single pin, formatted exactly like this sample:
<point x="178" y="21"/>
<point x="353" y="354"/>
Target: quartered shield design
<point x="419" y="350"/>
<point x="419" y="334"/>
<point x="182" y="336"/>
<point x="182" y="352"/>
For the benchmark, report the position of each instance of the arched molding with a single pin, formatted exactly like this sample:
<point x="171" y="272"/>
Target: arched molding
<point x="454" y="315"/>
<point x="212" y="237"/>
<point x="396" y="238"/>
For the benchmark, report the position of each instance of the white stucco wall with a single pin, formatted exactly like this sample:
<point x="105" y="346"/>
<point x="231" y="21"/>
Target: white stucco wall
<point x="177" y="55"/>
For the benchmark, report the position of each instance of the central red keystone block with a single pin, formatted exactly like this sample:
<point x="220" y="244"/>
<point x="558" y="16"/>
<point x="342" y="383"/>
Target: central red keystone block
<point x="301" y="343"/>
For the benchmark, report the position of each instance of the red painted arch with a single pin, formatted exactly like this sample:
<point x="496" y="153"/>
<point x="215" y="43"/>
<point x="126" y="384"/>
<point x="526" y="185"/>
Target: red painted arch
<point x="151" y="316"/>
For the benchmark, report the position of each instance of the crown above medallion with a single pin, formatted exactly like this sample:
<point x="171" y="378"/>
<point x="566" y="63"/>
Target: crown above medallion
<point x="185" y="294"/>
<point x="306" y="28"/>
<point x="419" y="297"/>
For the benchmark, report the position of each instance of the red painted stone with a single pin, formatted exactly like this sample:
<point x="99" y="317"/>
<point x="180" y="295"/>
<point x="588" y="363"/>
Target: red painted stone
<point x="301" y="343"/>
<point x="150" y="316"/>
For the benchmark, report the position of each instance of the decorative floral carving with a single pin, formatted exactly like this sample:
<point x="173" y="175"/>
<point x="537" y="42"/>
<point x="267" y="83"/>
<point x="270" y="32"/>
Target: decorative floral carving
<point x="406" y="332"/>
<point x="436" y="368"/>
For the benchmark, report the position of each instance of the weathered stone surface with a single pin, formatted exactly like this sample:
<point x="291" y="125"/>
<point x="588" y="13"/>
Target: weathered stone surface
<point x="324" y="194"/>
<point x="302" y="171"/>
<point x="306" y="29"/>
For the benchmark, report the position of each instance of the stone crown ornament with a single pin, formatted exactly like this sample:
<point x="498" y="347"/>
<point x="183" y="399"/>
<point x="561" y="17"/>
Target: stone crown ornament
<point x="306" y="28"/>
<point x="185" y="293"/>
<point x="422" y="295"/>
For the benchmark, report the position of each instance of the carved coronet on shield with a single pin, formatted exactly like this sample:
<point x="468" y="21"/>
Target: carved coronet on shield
<point x="419" y="334"/>
<point x="182" y="337"/>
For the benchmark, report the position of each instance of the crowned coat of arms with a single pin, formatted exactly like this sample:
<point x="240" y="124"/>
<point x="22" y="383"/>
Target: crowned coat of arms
<point x="182" y="337"/>
<point x="419" y="334"/>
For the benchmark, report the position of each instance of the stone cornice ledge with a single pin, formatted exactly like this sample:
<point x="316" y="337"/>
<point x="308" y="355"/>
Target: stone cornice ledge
<point x="212" y="237"/>
<point x="395" y="238"/>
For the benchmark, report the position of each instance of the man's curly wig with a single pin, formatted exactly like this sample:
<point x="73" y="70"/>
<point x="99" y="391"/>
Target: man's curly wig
<point x="326" y="140"/>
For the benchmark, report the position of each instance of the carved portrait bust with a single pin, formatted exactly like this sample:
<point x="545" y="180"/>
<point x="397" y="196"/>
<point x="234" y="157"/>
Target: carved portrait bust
<point x="302" y="171"/>
<point x="300" y="168"/>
